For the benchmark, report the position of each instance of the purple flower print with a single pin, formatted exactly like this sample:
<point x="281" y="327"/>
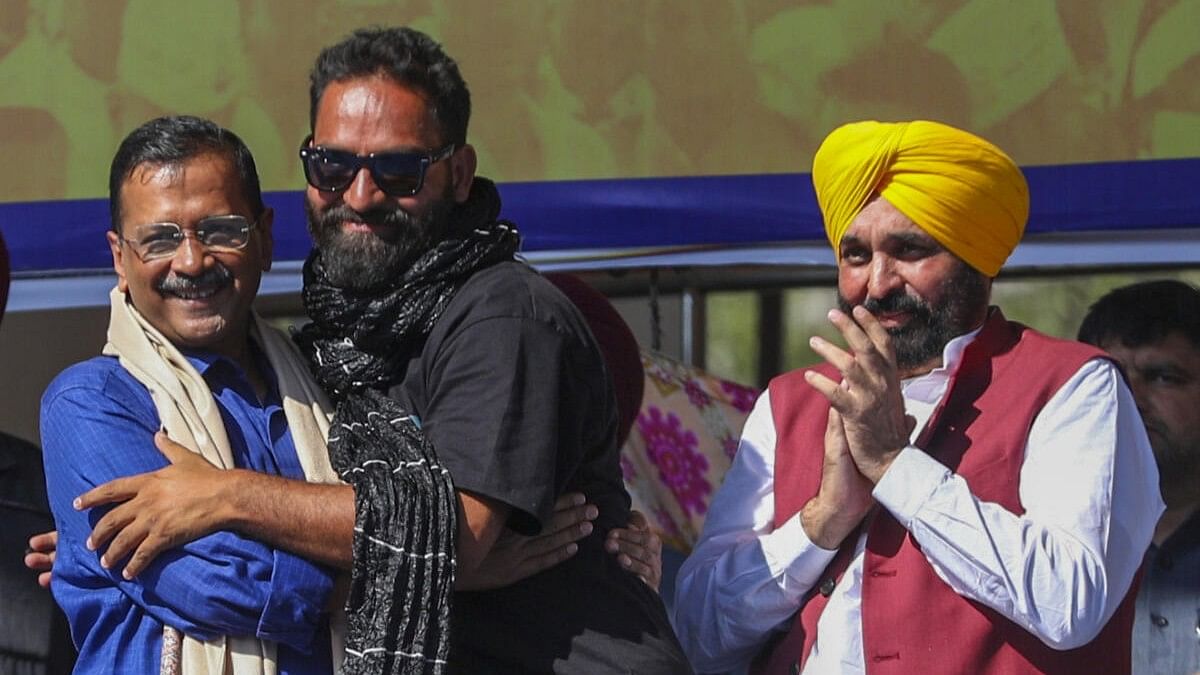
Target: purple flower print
<point x="672" y="448"/>
<point x="740" y="397"/>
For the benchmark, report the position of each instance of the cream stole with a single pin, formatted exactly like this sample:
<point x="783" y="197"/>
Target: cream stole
<point x="191" y="418"/>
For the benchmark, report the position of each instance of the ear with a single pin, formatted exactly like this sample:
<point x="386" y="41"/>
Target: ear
<point x="118" y="254"/>
<point x="462" y="165"/>
<point x="266" y="241"/>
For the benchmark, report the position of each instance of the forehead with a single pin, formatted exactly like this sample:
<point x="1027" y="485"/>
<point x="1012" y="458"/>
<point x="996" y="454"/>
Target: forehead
<point x="1174" y="350"/>
<point x="183" y="192"/>
<point x="880" y="222"/>
<point x="375" y="114"/>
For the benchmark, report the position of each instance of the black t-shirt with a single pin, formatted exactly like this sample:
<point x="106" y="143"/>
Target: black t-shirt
<point x="511" y="389"/>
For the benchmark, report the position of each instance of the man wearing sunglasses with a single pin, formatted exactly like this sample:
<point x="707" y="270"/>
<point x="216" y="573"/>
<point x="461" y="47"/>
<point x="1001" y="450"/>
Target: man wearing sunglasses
<point x="470" y="397"/>
<point x="413" y="287"/>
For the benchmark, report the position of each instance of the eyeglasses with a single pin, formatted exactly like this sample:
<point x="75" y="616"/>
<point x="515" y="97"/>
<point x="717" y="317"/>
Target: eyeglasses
<point x="153" y="241"/>
<point x="398" y="174"/>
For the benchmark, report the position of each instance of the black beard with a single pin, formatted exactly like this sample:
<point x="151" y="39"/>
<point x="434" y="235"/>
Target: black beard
<point x="362" y="261"/>
<point x="929" y="328"/>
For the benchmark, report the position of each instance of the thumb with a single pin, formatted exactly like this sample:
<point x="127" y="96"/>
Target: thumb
<point x="173" y="451"/>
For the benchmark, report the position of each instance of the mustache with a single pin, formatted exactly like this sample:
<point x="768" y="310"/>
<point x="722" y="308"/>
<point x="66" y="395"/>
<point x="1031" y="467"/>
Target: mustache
<point x="214" y="278"/>
<point x="896" y="301"/>
<point x="391" y="217"/>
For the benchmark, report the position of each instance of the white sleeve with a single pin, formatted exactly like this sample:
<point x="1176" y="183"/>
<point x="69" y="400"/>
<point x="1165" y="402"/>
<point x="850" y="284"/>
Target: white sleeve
<point x="1089" y="487"/>
<point x="744" y="577"/>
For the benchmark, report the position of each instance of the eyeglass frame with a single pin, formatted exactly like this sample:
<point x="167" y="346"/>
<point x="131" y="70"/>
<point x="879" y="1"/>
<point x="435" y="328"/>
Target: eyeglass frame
<point x="360" y="162"/>
<point x="251" y="225"/>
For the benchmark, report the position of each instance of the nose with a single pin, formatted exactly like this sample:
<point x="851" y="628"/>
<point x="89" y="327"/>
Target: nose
<point x="883" y="278"/>
<point x="363" y="194"/>
<point x="191" y="257"/>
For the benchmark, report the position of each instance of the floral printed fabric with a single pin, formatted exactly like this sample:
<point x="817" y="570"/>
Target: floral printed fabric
<point x="681" y="445"/>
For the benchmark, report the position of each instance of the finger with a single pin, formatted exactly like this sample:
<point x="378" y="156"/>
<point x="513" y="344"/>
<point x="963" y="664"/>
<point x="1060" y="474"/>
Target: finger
<point x="44" y="579"/>
<point x="109" y="525"/>
<point x="875" y="331"/>
<point x="837" y="395"/>
<point x="146" y="552"/>
<point x="39" y="562"/>
<point x="833" y="354"/>
<point x="856" y="337"/>
<point x="544" y="561"/>
<point x="638" y="520"/>
<point x="125" y="542"/>
<point x="835" y="433"/>
<point x="573" y="519"/>
<point x="559" y="539"/>
<point x="632" y="563"/>
<point x="569" y="500"/>
<point x="621" y="535"/>
<point x="45" y="542"/>
<point x="173" y="451"/>
<point x="117" y="490"/>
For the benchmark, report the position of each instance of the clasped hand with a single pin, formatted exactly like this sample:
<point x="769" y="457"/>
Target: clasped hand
<point x="868" y="399"/>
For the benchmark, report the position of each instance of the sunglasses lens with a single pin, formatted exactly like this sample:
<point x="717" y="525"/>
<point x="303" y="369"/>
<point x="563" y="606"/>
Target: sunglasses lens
<point x="398" y="174"/>
<point x="329" y="170"/>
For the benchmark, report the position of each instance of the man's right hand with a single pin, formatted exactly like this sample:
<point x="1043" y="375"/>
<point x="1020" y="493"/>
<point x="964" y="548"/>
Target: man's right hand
<point x="515" y="557"/>
<point x="844" y="497"/>
<point x="40" y="557"/>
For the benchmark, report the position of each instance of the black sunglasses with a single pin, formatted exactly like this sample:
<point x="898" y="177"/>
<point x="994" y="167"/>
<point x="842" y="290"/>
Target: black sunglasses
<point x="398" y="174"/>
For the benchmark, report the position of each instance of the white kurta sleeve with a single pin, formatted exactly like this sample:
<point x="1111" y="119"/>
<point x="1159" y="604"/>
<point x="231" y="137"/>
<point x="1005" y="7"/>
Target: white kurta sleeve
<point x="744" y="578"/>
<point x="1089" y="486"/>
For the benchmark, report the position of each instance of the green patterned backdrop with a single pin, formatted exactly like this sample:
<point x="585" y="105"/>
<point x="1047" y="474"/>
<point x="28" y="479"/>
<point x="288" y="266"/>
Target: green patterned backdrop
<point x="612" y="88"/>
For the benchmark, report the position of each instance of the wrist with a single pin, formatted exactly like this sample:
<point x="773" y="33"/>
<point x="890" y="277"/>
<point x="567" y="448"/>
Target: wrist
<point x="825" y="524"/>
<point x="874" y="468"/>
<point x="229" y="511"/>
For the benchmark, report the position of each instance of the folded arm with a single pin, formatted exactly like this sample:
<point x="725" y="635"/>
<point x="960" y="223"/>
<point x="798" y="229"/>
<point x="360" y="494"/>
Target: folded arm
<point x="218" y="584"/>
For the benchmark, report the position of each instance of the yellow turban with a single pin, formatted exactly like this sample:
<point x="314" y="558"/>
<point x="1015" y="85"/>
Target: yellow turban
<point x="962" y="190"/>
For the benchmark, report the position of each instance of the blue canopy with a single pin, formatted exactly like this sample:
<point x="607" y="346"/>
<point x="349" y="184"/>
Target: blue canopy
<point x="1116" y="213"/>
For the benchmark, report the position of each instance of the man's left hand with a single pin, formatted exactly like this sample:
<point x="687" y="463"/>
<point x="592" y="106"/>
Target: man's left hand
<point x="869" y="397"/>
<point x="156" y="511"/>
<point x="638" y="549"/>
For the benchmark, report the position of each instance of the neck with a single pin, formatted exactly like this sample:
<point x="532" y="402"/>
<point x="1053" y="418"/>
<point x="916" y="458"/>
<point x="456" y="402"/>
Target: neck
<point x="920" y="369"/>
<point x="1172" y="519"/>
<point x="241" y="353"/>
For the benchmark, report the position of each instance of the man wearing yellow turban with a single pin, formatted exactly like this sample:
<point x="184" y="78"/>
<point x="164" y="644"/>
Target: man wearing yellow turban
<point x="953" y="492"/>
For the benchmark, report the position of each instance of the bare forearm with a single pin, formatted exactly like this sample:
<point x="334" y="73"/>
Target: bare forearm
<point x="311" y="520"/>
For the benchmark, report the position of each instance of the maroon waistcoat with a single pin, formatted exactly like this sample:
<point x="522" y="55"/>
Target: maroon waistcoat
<point x="912" y="622"/>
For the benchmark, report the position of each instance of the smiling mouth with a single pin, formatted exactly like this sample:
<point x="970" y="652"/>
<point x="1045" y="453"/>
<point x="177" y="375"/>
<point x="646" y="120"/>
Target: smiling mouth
<point x="893" y="318"/>
<point x="194" y="293"/>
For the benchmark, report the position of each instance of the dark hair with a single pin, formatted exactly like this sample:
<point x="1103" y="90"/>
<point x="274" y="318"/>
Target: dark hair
<point x="1144" y="313"/>
<point x="173" y="140"/>
<point x="409" y="57"/>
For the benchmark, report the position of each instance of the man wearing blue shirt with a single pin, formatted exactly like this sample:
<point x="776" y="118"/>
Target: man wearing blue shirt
<point x="1153" y="330"/>
<point x="190" y="241"/>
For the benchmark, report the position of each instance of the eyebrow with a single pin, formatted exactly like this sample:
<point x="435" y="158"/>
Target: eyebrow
<point x="919" y="238"/>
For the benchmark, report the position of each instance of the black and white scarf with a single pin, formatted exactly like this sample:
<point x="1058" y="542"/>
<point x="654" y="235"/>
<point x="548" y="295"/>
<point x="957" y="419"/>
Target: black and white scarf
<point x="402" y="579"/>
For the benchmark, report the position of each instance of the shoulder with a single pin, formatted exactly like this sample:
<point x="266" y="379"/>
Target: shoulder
<point x="512" y="291"/>
<point x="1035" y="339"/>
<point x="95" y="380"/>
<point x="1055" y="358"/>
